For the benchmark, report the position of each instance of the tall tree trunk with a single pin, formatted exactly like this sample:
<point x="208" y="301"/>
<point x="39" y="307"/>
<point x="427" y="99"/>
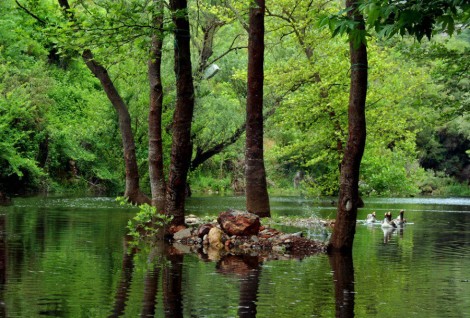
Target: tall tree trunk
<point x="157" y="176"/>
<point x="181" y="149"/>
<point x="345" y="226"/>
<point x="132" y="191"/>
<point x="257" y="200"/>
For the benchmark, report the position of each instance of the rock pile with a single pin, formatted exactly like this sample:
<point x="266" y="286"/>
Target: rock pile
<point x="240" y="233"/>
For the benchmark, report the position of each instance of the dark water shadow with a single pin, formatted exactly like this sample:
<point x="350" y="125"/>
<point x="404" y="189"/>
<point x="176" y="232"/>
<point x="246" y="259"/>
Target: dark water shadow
<point x="123" y="288"/>
<point x="3" y="264"/>
<point x="151" y="281"/>
<point x="172" y="284"/>
<point x="167" y="265"/>
<point x="343" y="277"/>
<point x="248" y="269"/>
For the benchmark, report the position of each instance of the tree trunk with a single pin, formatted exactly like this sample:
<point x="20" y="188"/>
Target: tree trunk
<point x="157" y="176"/>
<point x="181" y="149"/>
<point x="345" y="226"/>
<point x="257" y="200"/>
<point x="132" y="191"/>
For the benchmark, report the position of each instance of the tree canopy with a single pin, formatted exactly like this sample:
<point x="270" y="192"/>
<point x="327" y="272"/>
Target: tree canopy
<point x="58" y="130"/>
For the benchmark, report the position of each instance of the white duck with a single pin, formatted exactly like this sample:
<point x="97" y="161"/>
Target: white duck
<point x="371" y="218"/>
<point x="387" y="222"/>
<point x="400" y="221"/>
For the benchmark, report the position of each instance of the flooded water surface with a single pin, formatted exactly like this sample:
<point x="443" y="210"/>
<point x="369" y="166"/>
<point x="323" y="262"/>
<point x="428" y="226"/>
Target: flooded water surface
<point x="68" y="257"/>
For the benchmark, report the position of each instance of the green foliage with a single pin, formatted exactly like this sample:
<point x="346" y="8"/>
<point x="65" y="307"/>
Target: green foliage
<point x="418" y="18"/>
<point x="146" y="223"/>
<point x="58" y="130"/>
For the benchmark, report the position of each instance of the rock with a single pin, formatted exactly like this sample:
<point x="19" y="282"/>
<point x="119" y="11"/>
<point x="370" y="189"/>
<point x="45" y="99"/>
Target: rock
<point x="192" y="220"/>
<point x="204" y="229"/>
<point x="183" y="249"/>
<point x="173" y="229"/>
<point x="215" y="237"/>
<point x="254" y="238"/>
<point x="182" y="234"/>
<point x="239" y="223"/>
<point x="213" y="253"/>
<point x="278" y="248"/>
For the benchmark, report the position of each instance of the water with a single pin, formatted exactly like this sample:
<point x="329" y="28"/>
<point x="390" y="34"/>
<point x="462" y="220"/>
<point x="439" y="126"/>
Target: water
<point x="67" y="257"/>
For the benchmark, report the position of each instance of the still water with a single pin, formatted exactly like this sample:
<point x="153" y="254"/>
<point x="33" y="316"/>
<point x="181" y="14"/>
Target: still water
<point x="67" y="257"/>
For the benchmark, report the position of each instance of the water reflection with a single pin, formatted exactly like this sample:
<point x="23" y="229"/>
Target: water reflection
<point x="248" y="269"/>
<point x="172" y="280"/>
<point x="74" y="262"/>
<point x="151" y="284"/>
<point x="122" y="292"/>
<point x="3" y="264"/>
<point x="388" y="232"/>
<point x="343" y="276"/>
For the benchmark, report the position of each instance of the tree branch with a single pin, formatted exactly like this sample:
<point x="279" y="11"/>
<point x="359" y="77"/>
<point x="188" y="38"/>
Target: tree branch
<point x="43" y="22"/>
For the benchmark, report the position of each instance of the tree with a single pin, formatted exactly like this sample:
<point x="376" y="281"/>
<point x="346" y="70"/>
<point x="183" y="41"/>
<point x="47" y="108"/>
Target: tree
<point x="156" y="167"/>
<point x="132" y="190"/>
<point x="181" y="149"/>
<point x="345" y="226"/>
<point x="418" y="18"/>
<point x="257" y="200"/>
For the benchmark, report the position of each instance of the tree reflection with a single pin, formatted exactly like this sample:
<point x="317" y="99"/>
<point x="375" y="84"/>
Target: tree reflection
<point x="172" y="279"/>
<point x="343" y="275"/>
<point x="248" y="269"/>
<point x="122" y="293"/>
<point x="3" y="263"/>
<point x="151" y="284"/>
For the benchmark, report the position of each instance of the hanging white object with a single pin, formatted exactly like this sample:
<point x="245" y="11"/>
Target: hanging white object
<point x="211" y="71"/>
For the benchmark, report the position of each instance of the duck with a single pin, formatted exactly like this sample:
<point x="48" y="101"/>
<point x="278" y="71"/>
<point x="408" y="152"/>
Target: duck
<point x="387" y="222"/>
<point x="371" y="218"/>
<point x="400" y="221"/>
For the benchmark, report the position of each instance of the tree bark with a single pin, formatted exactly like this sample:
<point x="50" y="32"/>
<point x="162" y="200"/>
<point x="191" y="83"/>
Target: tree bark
<point x="156" y="171"/>
<point x="132" y="191"/>
<point x="345" y="226"/>
<point x="181" y="149"/>
<point x="257" y="200"/>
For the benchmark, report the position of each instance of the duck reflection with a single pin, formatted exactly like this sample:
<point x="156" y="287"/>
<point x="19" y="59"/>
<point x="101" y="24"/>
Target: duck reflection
<point x="248" y="268"/>
<point x="343" y="276"/>
<point x="388" y="232"/>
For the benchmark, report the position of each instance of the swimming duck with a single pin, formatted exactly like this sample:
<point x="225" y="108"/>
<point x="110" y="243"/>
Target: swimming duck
<point x="371" y="218"/>
<point x="387" y="222"/>
<point x="400" y="221"/>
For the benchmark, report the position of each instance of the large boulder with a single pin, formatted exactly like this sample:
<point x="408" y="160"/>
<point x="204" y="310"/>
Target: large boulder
<point x="239" y="223"/>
